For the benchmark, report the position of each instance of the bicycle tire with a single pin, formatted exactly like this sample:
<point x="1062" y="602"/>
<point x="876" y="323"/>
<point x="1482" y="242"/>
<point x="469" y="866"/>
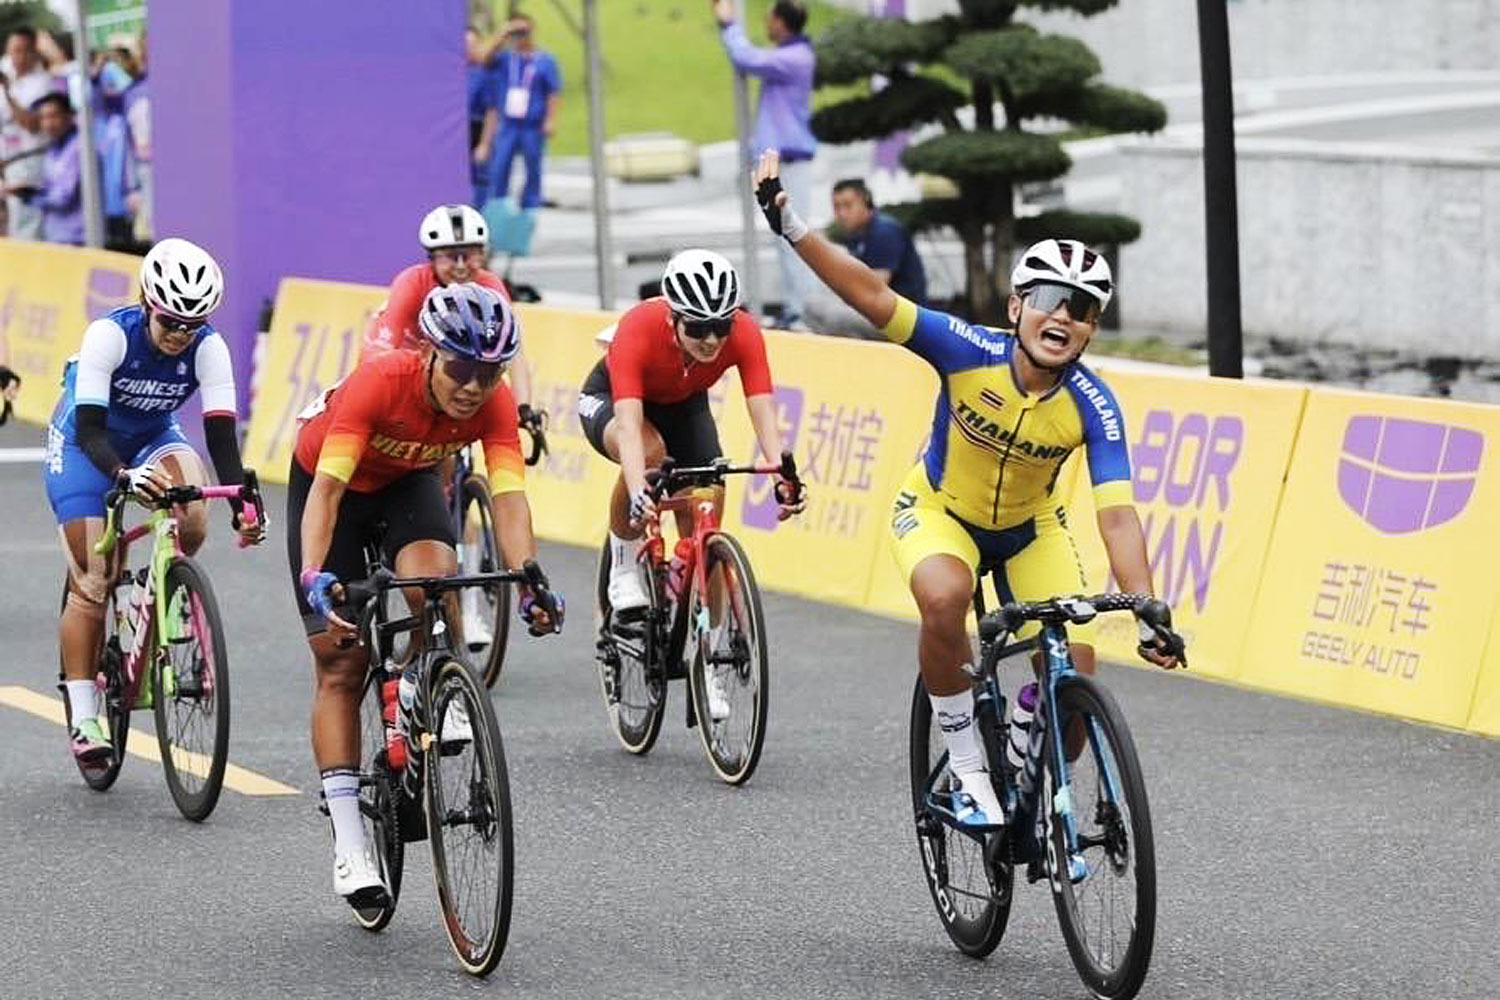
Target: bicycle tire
<point x="378" y="789"/>
<point x="975" y="920"/>
<point x="733" y="760"/>
<point x="484" y="557"/>
<point x="639" y="726"/>
<point x="116" y="705"/>
<point x="178" y="714"/>
<point x="1080" y="697"/>
<point x="488" y="818"/>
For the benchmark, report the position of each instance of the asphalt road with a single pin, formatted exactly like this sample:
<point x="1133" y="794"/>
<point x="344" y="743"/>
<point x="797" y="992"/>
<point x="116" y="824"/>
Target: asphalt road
<point x="1303" y="851"/>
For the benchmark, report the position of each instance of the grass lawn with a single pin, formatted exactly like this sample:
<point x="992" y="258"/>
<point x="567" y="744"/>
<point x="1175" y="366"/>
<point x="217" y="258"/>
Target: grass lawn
<point x="665" y="70"/>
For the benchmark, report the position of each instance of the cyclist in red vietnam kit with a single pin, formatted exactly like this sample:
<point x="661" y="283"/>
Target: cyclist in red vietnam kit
<point x="365" y="467"/>
<point x="457" y="243"/>
<point x="648" y="397"/>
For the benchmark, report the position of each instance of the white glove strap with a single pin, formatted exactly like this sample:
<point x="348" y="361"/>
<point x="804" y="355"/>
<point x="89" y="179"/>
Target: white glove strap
<point x="792" y="226"/>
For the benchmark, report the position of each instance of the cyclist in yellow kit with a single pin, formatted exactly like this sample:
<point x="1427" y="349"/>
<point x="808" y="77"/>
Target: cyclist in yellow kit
<point x="1012" y="407"/>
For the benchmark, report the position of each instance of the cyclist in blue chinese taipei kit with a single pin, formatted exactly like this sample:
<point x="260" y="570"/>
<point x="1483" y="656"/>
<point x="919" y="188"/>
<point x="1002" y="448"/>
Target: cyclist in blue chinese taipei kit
<point x="114" y="427"/>
<point x="1013" y="405"/>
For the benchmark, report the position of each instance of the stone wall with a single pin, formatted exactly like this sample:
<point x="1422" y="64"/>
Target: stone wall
<point x="1361" y="244"/>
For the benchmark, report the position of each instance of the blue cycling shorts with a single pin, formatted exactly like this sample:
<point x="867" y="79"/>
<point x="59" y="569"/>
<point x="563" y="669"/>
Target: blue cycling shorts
<point x="76" y="487"/>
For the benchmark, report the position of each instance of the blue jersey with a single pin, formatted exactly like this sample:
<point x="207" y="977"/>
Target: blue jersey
<point x="141" y="387"/>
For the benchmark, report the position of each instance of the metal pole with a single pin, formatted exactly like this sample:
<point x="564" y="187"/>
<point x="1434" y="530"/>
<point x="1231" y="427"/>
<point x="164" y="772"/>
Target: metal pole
<point x="749" y="230"/>
<point x="1221" y="211"/>
<point x="93" y="218"/>
<point x="603" y="245"/>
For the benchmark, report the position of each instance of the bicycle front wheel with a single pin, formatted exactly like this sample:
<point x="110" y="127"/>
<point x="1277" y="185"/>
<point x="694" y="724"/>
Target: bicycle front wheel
<point x="486" y="610"/>
<point x="632" y="677"/>
<point x="1103" y="876"/>
<point x="972" y="891"/>
<point x="192" y="693"/>
<point x="730" y="676"/>
<point x="468" y="817"/>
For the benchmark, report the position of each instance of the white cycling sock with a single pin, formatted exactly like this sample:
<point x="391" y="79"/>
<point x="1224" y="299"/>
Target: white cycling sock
<point x="623" y="553"/>
<point x="83" y="700"/>
<point x="341" y="793"/>
<point x="954" y="713"/>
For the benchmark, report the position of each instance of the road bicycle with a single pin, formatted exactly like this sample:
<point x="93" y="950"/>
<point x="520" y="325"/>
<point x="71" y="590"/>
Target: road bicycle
<point x="163" y="649"/>
<point x="703" y="622"/>
<point x="1076" y="809"/>
<point x="445" y="781"/>
<point x="485" y="610"/>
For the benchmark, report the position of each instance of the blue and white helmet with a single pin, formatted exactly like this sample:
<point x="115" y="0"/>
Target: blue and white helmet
<point x="471" y="321"/>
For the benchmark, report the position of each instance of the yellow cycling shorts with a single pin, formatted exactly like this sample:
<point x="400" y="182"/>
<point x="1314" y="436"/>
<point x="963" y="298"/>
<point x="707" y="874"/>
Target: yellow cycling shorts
<point x="1033" y="560"/>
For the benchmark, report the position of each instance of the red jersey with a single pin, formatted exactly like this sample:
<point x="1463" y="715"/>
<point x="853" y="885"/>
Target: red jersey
<point x="377" y="425"/>
<point x="394" y="325"/>
<point x="645" y="362"/>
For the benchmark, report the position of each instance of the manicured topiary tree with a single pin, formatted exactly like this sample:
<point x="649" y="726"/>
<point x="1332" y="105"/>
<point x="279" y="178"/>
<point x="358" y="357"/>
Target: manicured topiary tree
<point x="1011" y="75"/>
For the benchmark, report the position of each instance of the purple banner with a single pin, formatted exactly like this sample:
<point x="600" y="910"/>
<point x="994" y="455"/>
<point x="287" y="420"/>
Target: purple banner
<point x="306" y="139"/>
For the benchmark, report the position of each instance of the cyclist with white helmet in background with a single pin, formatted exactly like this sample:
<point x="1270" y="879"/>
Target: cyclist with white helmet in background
<point x="115" y="427"/>
<point x="365" y="467"/>
<point x="1013" y="405"/>
<point x="647" y="398"/>
<point x="457" y="241"/>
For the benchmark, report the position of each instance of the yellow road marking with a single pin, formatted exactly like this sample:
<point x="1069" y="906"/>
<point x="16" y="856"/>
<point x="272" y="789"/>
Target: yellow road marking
<point x="143" y="744"/>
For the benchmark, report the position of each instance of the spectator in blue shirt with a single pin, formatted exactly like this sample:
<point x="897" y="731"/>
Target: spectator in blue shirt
<point x="781" y="120"/>
<point x="520" y="112"/>
<point x="61" y="198"/>
<point x="881" y="242"/>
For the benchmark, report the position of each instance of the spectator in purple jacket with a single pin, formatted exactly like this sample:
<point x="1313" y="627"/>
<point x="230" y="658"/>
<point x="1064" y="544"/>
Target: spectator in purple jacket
<point x="61" y="199"/>
<point x="781" y="121"/>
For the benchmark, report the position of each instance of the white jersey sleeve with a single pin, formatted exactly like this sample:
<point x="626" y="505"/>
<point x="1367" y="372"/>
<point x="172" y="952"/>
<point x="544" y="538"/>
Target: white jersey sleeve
<point x="215" y="376"/>
<point x="101" y="353"/>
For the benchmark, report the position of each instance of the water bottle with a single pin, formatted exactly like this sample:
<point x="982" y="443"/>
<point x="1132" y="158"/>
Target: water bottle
<point x="1020" y="725"/>
<point x="678" y="567"/>
<point x="395" y="740"/>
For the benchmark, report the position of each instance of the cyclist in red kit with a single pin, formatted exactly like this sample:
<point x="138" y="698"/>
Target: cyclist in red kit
<point x="648" y="397"/>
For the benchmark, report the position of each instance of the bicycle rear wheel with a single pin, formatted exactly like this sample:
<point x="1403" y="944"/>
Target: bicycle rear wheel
<point x="486" y="623"/>
<point x="972" y="892"/>
<point x="192" y="692"/>
<point x="468" y="817"/>
<point x="731" y="667"/>
<point x="115" y="699"/>
<point x="1105" y="893"/>
<point x="377" y="803"/>
<point x="632" y="677"/>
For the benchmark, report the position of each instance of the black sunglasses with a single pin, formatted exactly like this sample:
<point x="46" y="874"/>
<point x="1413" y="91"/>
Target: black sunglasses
<point x="695" y="329"/>
<point x="466" y="370"/>
<point x="173" y="325"/>
<point x="1082" y="306"/>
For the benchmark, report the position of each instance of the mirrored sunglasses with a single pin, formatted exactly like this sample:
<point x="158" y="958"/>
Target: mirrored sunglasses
<point x="1082" y="306"/>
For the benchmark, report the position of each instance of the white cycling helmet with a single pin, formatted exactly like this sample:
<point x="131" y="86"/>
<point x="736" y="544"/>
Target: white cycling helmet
<point x="701" y="285"/>
<point x="181" y="279"/>
<point x="1064" y="262"/>
<point x="454" y="226"/>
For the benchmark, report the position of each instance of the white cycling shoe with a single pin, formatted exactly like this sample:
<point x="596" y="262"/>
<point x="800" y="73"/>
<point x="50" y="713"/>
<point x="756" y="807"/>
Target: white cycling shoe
<point x="626" y="592"/>
<point x="476" y="614"/>
<point x="356" y="877"/>
<point x="456" y="732"/>
<point x="974" y="801"/>
<point x="718" y="701"/>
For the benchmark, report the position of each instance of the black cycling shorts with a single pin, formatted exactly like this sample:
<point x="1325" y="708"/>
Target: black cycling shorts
<point x="686" y="428"/>
<point x="411" y="509"/>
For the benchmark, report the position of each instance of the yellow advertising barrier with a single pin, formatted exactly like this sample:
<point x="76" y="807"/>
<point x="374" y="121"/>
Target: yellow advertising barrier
<point x="1207" y="460"/>
<point x="1484" y="717"/>
<point x="313" y="342"/>
<point x="851" y="411"/>
<point x="1378" y="590"/>
<point x="48" y="295"/>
